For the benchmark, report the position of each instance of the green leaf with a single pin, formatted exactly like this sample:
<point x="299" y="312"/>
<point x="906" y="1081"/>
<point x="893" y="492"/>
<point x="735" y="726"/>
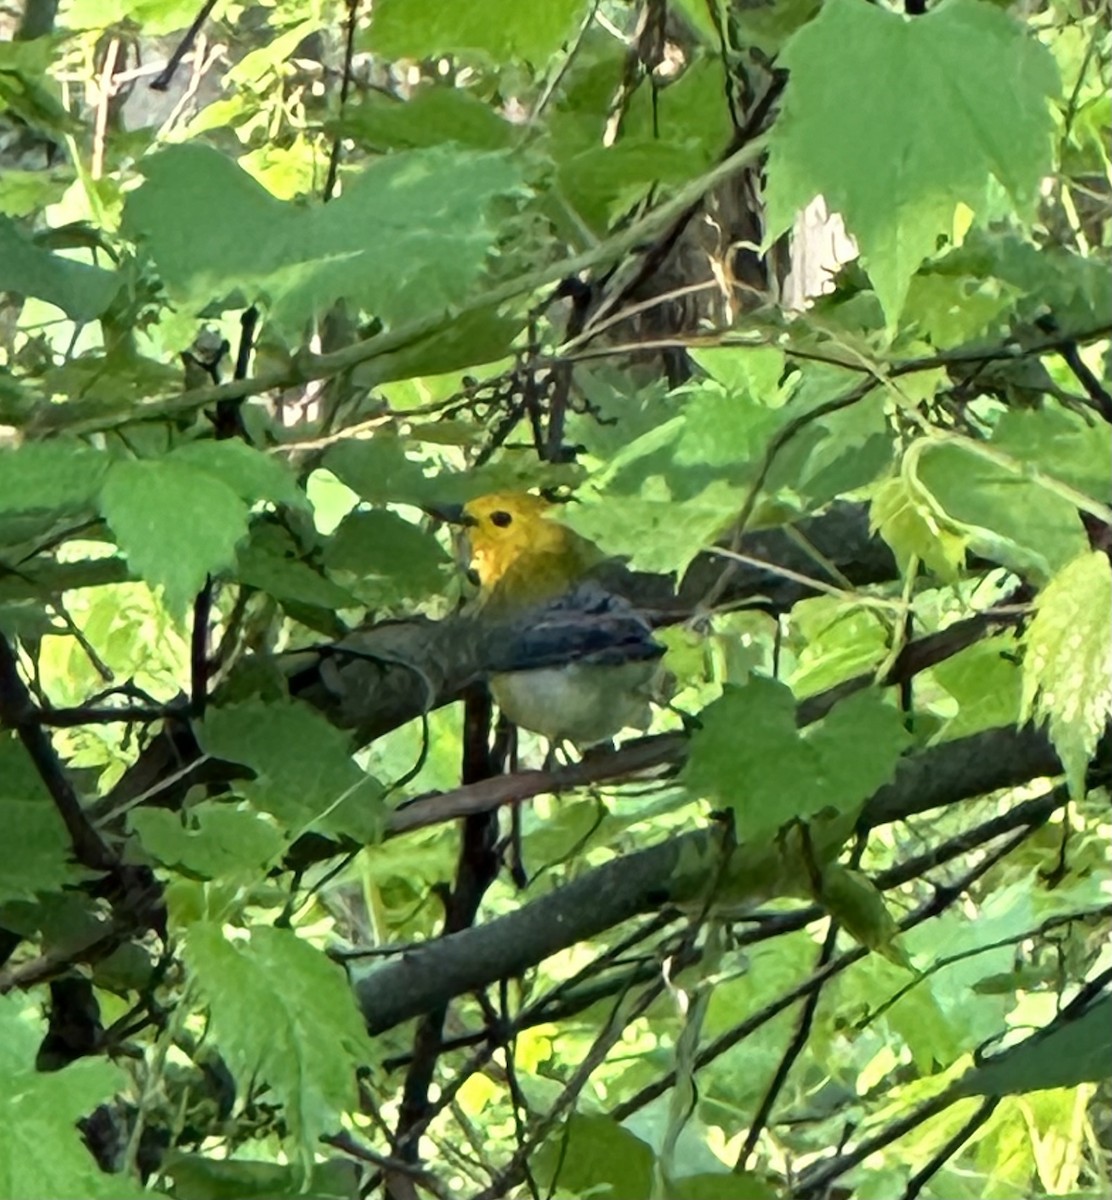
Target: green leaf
<point x="81" y="291"/>
<point x="858" y="745"/>
<point x="196" y="1177"/>
<point x="1061" y="443"/>
<point x="855" y="903"/>
<point x="176" y="524"/>
<point x="433" y="114"/>
<point x="913" y="530"/>
<point x="748" y="755"/>
<point x="499" y="28"/>
<point x="1065" y="1055"/>
<point x="1077" y="289"/>
<point x="59" y="474"/>
<point x="747" y="370"/>
<point x="596" y="1155"/>
<point x="392" y="559"/>
<point x="282" y="1010"/>
<point x="379" y="470"/>
<point x="722" y="428"/>
<point x="210" y="841"/>
<point x="602" y="181"/>
<point x="743" y="1185"/>
<point x="27" y="89"/>
<point x="23" y="192"/>
<point x="835" y="454"/>
<point x="304" y="771"/>
<point x="251" y="474"/>
<point x="270" y="560"/>
<point x="407" y="238"/>
<point x="985" y="681"/>
<point x="36" y="853"/>
<point x="40" y="1110"/>
<point x="655" y="530"/>
<point x="1002" y="514"/>
<point x="952" y="310"/>
<point x="913" y="122"/>
<point x="1067" y="669"/>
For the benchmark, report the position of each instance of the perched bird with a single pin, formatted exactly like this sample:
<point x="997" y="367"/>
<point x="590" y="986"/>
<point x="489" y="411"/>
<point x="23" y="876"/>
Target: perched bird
<point x="579" y="662"/>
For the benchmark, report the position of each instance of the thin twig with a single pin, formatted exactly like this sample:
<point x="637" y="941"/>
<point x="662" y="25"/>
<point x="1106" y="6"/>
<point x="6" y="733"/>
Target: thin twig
<point x="350" y="26"/>
<point x="794" y="1048"/>
<point x="944" y="896"/>
<point x="952" y="1145"/>
<point x="166" y="76"/>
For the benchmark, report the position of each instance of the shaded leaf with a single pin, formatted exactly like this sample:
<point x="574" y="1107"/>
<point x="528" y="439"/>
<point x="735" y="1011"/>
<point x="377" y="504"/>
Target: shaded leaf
<point x="392" y="559"/>
<point x="596" y="1154"/>
<point x="81" y="291"/>
<point x="176" y="524"/>
<point x="749" y="756"/>
<point x="433" y="114"/>
<point x="410" y="236"/>
<point x="304" y="772"/>
<point x="1006" y="517"/>
<point x="210" y="841"/>
<point x="305" y="1037"/>
<point x="501" y="29"/>
<point x="251" y="474"/>
<point x="196" y="1177"/>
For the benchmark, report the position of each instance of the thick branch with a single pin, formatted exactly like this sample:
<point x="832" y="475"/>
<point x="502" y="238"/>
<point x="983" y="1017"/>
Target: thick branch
<point x="381" y="677"/>
<point x="647" y="880"/>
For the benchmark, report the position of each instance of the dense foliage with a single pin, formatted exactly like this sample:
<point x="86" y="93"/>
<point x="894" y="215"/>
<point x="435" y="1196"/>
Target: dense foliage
<point x="284" y="909"/>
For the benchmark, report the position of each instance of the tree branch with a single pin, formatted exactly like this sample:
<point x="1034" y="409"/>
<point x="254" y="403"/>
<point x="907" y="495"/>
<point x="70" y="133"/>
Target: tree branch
<point x="18" y="711"/>
<point x="647" y="880"/>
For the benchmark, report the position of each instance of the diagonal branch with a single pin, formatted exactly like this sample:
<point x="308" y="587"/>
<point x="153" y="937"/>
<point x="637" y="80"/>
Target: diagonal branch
<point x="650" y="879"/>
<point x="18" y="712"/>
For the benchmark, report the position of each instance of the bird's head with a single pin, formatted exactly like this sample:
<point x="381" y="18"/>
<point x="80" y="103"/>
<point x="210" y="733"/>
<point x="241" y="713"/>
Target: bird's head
<point x="516" y="543"/>
<point x="508" y="530"/>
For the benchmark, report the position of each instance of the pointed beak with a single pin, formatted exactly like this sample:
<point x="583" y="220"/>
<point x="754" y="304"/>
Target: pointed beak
<point x="450" y="514"/>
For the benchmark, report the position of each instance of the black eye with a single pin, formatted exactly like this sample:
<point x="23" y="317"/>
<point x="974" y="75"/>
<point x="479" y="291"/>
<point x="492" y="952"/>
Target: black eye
<point x="501" y="519"/>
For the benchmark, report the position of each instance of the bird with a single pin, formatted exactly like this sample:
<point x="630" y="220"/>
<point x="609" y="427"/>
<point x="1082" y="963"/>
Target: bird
<point x="568" y="658"/>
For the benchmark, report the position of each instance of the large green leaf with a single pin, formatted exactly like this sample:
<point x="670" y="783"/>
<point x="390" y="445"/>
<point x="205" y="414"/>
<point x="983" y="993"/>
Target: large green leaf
<point x="281" y="1010"/>
<point x="80" y="290"/>
<point x="596" y="1154"/>
<point x="389" y="559"/>
<point x="250" y="473"/>
<point x="211" y="841"/>
<point x="922" y="113"/>
<point x="176" y="524"/>
<point x="1004" y="515"/>
<point x="197" y="1177"/>
<point x="304" y="773"/>
<point x="433" y="114"/>
<point x="748" y="755"/>
<point x="408" y="237"/>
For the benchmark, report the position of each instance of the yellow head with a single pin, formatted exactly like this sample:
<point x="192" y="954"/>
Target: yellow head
<point x="519" y="553"/>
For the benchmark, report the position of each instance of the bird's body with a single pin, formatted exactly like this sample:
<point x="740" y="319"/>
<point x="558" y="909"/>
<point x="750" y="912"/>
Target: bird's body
<point x="605" y="660"/>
